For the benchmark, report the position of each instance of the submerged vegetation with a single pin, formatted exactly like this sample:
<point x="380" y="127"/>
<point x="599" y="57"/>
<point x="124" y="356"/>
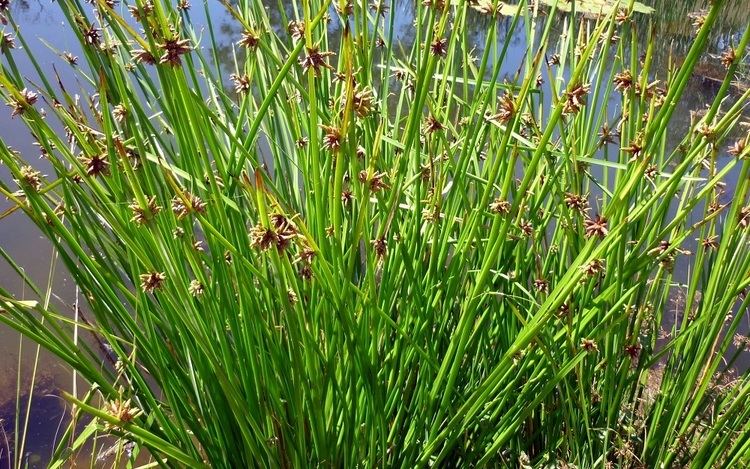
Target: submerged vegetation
<point x="357" y="253"/>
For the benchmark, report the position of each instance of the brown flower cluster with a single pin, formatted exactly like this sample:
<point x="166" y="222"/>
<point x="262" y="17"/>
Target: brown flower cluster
<point x="280" y="233"/>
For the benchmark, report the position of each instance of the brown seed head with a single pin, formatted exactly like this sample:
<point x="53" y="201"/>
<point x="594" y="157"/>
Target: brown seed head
<point x="121" y="410"/>
<point x="332" y="138"/>
<point x="262" y="238"/>
<point x="91" y="36"/>
<point x="142" y="215"/>
<point x="196" y="288"/>
<point x="728" y="57"/>
<point x="143" y="56"/>
<point x="622" y="16"/>
<point x="507" y="109"/>
<point x="380" y="246"/>
<point x="710" y="242"/>
<point x="541" y="285"/>
<point x="596" y="227"/>
<point x="743" y="218"/>
<point x="120" y="112"/>
<point x="7" y="41"/>
<point x="623" y="81"/>
<point x="593" y="268"/>
<point x="241" y="83"/>
<point x="70" y="58"/>
<point x="737" y="148"/>
<point x="139" y="13"/>
<point x="30" y="177"/>
<point x="315" y="60"/>
<point x="296" y="30"/>
<point x="96" y="165"/>
<point x="576" y="202"/>
<point x="576" y="98"/>
<point x="173" y="49"/>
<point x="432" y="125"/>
<point x="20" y="105"/>
<point x="500" y="206"/>
<point x="633" y="350"/>
<point x="250" y="40"/>
<point x="589" y="345"/>
<point x="363" y="101"/>
<point x="439" y="47"/>
<point x="152" y="281"/>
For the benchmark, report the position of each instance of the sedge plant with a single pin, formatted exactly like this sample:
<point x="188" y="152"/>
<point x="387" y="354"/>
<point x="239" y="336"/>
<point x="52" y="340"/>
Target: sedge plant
<point x="351" y="251"/>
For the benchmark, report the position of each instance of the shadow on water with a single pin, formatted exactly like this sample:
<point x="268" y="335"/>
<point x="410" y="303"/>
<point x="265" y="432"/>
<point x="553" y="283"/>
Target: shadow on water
<point x="672" y="26"/>
<point x="46" y="421"/>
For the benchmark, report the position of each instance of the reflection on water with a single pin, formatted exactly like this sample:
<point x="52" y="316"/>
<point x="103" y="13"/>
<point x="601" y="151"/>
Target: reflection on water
<point x="673" y="29"/>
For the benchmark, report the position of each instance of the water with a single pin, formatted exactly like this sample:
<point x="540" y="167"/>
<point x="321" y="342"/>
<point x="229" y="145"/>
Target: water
<point x="41" y="18"/>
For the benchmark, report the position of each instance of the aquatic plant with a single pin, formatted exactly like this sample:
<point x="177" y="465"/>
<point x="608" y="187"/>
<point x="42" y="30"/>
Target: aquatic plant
<point x="351" y="252"/>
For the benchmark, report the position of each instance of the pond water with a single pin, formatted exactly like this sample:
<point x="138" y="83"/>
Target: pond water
<point x="42" y="19"/>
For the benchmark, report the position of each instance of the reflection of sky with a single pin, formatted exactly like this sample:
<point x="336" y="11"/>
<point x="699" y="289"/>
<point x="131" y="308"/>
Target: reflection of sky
<point x="41" y="19"/>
